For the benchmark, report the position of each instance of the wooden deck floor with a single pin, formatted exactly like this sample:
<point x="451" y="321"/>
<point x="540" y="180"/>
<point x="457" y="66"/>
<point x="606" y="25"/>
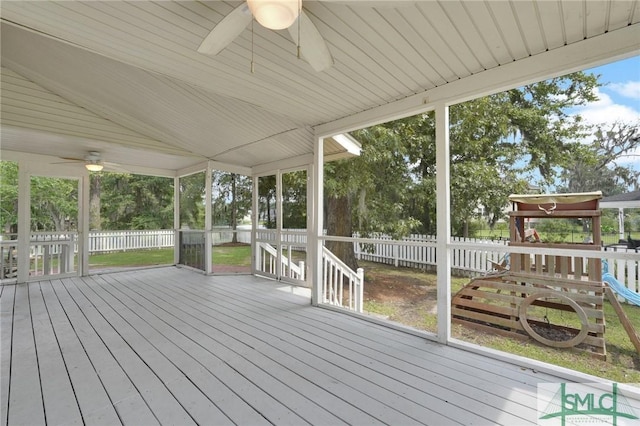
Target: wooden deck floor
<point x="169" y="346"/>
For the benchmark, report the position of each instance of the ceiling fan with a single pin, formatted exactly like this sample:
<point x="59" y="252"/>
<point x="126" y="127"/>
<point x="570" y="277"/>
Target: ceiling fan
<point x="92" y="161"/>
<point x="276" y="15"/>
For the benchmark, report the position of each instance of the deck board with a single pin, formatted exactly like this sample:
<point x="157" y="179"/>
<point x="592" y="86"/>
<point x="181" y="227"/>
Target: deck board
<point x="60" y="403"/>
<point x="25" y="395"/>
<point x="72" y="332"/>
<point x="6" y="334"/>
<point x="236" y="355"/>
<point x="296" y="354"/>
<point x="94" y="364"/>
<point x="162" y="403"/>
<point x="386" y="374"/>
<point x="169" y="346"/>
<point x="259" y="360"/>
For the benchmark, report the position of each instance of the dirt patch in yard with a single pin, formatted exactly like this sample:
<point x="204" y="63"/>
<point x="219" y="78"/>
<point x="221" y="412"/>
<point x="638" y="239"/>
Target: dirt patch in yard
<point x="403" y="295"/>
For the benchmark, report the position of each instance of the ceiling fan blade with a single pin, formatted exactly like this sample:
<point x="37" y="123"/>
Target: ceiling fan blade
<point x="312" y="45"/>
<point x="226" y="31"/>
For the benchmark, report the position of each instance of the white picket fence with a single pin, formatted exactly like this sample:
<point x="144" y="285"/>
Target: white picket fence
<point x="415" y="251"/>
<point x="112" y="241"/>
<point x="420" y="252"/>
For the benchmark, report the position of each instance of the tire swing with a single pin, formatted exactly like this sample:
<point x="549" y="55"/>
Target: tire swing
<point x="584" y="321"/>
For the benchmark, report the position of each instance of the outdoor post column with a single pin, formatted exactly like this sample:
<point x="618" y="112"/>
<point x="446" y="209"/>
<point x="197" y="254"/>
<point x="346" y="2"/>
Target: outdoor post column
<point x="621" y="223"/>
<point x="279" y="216"/>
<point x="176" y="220"/>
<point x="254" y="225"/>
<point x="208" y="228"/>
<point x="311" y="205"/>
<point x="443" y="215"/>
<point x="24" y="221"/>
<point x="315" y="241"/>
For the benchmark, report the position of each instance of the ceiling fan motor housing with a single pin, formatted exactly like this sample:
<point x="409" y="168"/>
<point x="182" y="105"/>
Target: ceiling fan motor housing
<point x="274" y="14"/>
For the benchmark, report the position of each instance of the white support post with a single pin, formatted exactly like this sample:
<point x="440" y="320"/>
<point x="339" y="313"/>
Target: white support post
<point x="208" y="228"/>
<point x="24" y="221"/>
<point x="84" y="188"/>
<point x="443" y="214"/>
<point x="621" y="223"/>
<point x="315" y="242"/>
<point x="176" y="220"/>
<point x="360" y="304"/>
<point x="279" y="272"/>
<point x="310" y="259"/>
<point x="255" y="261"/>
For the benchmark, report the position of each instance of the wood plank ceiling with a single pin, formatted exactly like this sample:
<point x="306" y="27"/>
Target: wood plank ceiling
<point x="126" y="77"/>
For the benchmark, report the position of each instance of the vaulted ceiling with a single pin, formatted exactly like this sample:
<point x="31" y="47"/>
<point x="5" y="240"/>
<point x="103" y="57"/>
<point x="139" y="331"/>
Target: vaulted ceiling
<point x="125" y="78"/>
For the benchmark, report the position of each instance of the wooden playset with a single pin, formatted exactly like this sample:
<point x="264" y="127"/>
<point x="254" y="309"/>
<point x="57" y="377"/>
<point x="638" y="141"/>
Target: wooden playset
<point x="554" y="299"/>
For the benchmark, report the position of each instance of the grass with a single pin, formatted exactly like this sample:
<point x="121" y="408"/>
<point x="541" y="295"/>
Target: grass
<point x="222" y="255"/>
<point x="232" y="255"/>
<point x="132" y="258"/>
<point x="373" y="306"/>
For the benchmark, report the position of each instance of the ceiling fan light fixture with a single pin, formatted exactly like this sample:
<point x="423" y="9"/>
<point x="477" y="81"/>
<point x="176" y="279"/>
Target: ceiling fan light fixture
<point x="94" y="166"/>
<point x="275" y="14"/>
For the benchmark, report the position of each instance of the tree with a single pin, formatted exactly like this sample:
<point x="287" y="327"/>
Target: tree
<point x="54" y="204"/>
<point x="267" y="201"/>
<point x="231" y="199"/>
<point x="596" y="166"/>
<point x="95" y="192"/>
<point x="294" y="200"/>
<point x="367" y="193"/>
<point x="192" y="193"/>
<point x="9" y="196"/>
<point x="134" y="201"/>
<point x="391" y="187"/>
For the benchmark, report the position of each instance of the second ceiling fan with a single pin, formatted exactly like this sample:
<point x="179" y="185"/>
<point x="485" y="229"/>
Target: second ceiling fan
<point x="276" y="15"/>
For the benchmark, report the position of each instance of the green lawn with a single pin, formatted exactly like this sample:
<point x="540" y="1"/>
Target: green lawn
<point x="232" y="255"/>
<point x="222" y="255"/>
<point x="132" y="258"/>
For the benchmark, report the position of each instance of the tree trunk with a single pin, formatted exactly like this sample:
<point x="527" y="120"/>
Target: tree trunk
<point x="234" y="213"/>
<point x="339" y="224"/>
<point x="95" y="220"/>
<point x="268" y="197"/>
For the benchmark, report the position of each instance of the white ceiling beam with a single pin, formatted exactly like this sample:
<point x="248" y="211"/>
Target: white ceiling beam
<point x="289" y="163"/>
<point x="231" y="168"/>
<point x="595" y="51"/>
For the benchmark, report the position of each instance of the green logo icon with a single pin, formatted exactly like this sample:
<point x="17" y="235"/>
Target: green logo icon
<point x="588" y="405"/>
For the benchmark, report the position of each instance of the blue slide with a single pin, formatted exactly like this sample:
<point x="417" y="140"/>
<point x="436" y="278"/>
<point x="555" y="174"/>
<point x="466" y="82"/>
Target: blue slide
<point x="617" y="287"/>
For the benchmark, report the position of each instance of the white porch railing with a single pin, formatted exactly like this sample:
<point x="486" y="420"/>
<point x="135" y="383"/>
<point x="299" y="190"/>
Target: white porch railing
<point x="53" y="255"/>
<point x="266" y="261"/>
<point x="8" y="259"/>
<point x="335" y="275"/>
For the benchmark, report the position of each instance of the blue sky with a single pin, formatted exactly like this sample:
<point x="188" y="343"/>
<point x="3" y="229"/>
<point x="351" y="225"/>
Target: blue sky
<point x="619" y="97"/>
